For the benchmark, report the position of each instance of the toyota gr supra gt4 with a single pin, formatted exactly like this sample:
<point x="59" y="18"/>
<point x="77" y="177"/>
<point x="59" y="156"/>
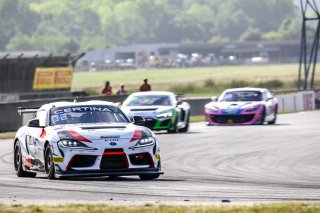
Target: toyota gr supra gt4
<point x="161" y="110"/>
<point x="93" y="138"/>
<point x="242" y="106"/>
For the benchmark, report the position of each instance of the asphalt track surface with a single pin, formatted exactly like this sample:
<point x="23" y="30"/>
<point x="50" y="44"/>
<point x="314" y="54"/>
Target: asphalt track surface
<point x="206" y="165"/>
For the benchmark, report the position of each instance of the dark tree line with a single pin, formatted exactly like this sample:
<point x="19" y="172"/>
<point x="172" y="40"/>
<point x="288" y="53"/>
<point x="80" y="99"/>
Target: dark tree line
<point x="61" y="26"/>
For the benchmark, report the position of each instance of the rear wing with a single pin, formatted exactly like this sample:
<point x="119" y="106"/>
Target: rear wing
<point x="22" y="110"/>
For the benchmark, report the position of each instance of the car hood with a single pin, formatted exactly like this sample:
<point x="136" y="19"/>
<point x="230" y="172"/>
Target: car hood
<point x="145" y="110"/>
<point x="97" y="131"/>
<point x="233" y="105"/>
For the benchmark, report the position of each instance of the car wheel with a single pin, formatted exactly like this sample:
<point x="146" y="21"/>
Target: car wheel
<point x="149" y="177"/>
<point x="186" y="128"/>
<point x="49" y="165"/>
<point x="263" y="116"/>
<point x="18" y="163"/>
<point x="175" y="127"/>
<point x="273" y="121"/>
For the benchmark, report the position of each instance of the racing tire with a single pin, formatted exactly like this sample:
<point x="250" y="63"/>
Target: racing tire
<point x="175" y="127"/>
<point x="149" y="177"/>
<point x="263" y="116"/>
<point x="273" y="121"/>
<point x="18" y="163"/>
<point x="48" y="163"/>
<point x="186" y="128"/>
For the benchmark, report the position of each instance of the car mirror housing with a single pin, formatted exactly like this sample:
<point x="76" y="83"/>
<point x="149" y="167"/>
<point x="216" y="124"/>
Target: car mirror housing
<point x="138" y="119"/>
<point x="34" y="123"/>
<point x="214" y="98"/>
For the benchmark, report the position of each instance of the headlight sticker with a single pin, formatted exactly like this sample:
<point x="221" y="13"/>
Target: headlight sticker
<point x="57" y="159"/>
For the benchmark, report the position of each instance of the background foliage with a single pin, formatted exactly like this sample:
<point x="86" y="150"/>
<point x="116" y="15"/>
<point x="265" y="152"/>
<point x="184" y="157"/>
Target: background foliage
<point x="71" y="26"/>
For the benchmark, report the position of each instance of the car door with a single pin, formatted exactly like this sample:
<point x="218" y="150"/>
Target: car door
<point x="35" y="135"/>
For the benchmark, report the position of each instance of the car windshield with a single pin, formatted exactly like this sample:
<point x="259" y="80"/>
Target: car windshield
<point x="86" y="114"/>
<point x="242" y="96"/>
<point x="148" y="100"/>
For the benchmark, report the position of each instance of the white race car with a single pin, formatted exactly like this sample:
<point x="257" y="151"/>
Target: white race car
<point x="161" y="110"/>
<point x="93" y="138"/>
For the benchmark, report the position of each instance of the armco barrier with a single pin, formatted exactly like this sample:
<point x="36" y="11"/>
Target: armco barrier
<point x="299" y="101"/>
<point x="11" y="121"/>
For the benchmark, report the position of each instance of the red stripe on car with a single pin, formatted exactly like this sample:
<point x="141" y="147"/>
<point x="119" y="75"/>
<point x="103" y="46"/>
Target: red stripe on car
<point x="136" y="135"/>
<point x="78" y="137"/>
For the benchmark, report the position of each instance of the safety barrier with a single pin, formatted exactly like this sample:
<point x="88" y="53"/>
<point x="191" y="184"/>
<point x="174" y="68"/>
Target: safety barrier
<point x="11" y="121"/>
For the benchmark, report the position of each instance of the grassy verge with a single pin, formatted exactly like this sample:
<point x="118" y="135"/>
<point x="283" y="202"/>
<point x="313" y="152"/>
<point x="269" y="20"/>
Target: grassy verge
<point x="266" y="208"/>
<point x="7" y="135"/>
<point x="197" y="118"/>
<point x="193" y="81"/>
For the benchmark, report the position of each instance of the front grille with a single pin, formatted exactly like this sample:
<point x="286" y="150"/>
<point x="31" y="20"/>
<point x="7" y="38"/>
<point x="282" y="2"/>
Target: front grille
<point x="166" y="122"/>
<point x="150" y="123"/>
<point x="116" y="161"/>
<point x="82" y="161"/>
<point x="114" y="150"/>
<point x="224" y="119"/>
<point x="140" y="159"/>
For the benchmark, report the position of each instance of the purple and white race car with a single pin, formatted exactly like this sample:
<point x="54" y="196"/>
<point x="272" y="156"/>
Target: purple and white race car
<point x="242" y="106"/>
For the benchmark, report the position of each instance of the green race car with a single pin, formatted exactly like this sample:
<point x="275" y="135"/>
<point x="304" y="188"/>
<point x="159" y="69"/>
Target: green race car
<point x="161" y="110"/>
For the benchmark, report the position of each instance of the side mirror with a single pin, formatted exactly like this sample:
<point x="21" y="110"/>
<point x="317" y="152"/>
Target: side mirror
<point x="138" y="119"/>
<point x="33" y="123"/>
<point x="214" y="98"/>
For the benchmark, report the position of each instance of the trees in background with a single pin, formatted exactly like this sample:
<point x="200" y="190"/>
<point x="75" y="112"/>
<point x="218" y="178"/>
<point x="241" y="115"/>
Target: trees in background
<point x="72" y="26"/>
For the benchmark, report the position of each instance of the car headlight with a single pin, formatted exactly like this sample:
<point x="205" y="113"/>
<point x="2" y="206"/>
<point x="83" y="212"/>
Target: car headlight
<point x="165" y="114"/>
<point x="214" y="109"/>
<point x="252" y="108"/>
<point x="148" y="141"/>
<point x="73" y="144"/>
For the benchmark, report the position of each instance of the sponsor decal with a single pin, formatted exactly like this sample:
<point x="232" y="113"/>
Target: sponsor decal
<point x="81" y="109"/>
<point x="52" y="78"/>
<point x="57" y="159"/>
<point x="158" y="156"/>
<point x="110" y="137"/>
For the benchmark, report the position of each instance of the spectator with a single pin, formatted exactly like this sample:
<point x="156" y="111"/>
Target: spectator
<point x="145" y="86"/>
<point x="107" y="89"/>
<point x="122" y="91"/>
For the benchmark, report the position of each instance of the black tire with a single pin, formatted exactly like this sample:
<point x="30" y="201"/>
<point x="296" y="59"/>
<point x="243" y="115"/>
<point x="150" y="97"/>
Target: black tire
<point x="275" y="116"/>
<point x="48" y="163"/>
<point x="186" y="128"/>
<point x="263" y="116"/>
<point x="149" y="177"/>
<point x="18" y="163"/>
<point x="175" y="127"/>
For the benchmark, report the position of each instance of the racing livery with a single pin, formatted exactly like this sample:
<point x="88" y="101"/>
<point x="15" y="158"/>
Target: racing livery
<point x="242" y="106"/>
<point x="93" y="138"/>
<point x="161" y="110"/>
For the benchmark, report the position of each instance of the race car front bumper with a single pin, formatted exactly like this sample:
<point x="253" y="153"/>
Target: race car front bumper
<point x="109" y="172"/>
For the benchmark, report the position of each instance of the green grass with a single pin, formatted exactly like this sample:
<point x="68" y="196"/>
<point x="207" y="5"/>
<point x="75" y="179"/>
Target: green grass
<point x="7" y="135"/>
<point x="73" y="208"/>
<point x="166" y="79"/>
<point x="197" y="118"/>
